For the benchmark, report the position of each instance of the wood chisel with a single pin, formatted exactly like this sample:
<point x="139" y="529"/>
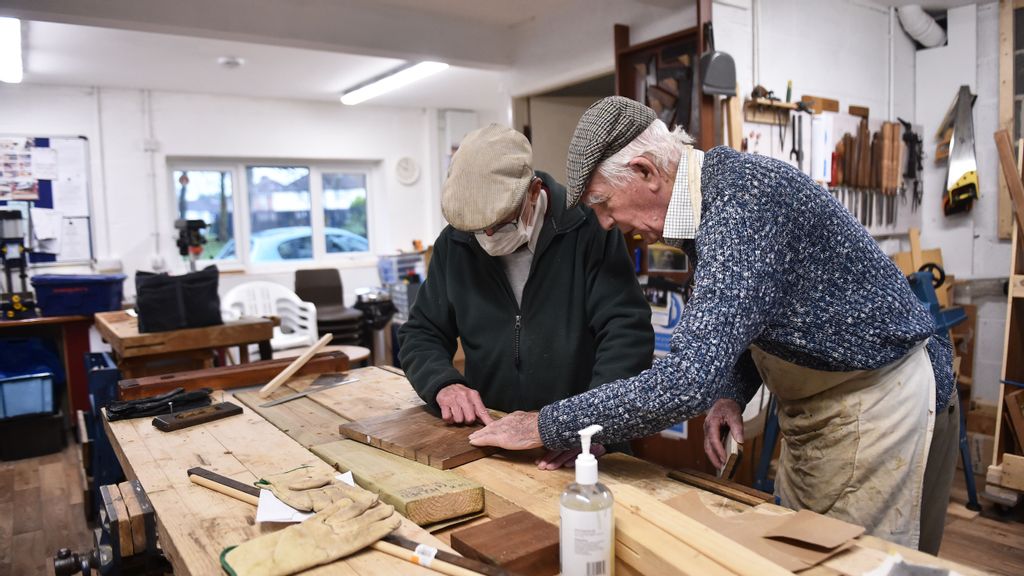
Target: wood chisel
<point x="393" y="544"/>
<point x="314" y="387"/>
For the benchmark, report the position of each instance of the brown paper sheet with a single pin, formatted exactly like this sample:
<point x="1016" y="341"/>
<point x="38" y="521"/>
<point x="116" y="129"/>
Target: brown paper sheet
<point x="750" y="529"/>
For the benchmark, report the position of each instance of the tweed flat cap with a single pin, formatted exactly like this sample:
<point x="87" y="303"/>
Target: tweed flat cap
<point x="487" y="179"/>
<point x="605" y="128"/>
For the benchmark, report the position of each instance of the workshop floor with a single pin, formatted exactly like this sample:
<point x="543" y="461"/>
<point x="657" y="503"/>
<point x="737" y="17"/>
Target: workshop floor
<point x="989" y="541"/>
<point x="40" y="512"/>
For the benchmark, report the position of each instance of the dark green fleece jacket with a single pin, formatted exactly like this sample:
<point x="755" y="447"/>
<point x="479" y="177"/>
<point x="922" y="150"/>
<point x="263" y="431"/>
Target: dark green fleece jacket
<point x="583" y="320"/>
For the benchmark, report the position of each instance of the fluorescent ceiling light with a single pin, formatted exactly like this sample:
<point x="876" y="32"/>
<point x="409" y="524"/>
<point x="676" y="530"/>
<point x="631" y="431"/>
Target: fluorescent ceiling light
<point x="392" y="81"/>
<point x="10" y="50"/>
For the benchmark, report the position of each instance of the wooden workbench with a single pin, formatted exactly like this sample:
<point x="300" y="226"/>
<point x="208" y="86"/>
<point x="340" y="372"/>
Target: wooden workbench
<point x="137" y="353"/>
<point x="196" y="524"/>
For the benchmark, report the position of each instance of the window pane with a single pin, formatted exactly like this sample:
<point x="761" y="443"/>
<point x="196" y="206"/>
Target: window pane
<point x="345" y="212"/>
<point x="279" y="208"/>
<point x="206" y="195"/>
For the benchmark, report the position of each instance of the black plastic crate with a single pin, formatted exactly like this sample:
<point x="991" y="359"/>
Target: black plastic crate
<point x="31" y="435"/>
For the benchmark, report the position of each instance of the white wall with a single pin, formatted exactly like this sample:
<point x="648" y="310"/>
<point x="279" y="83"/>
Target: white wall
<point x="133" y="205"/>
<point x="798" y="41"/>
<point x="577" y="42"/>
<point x="969" y="243"/>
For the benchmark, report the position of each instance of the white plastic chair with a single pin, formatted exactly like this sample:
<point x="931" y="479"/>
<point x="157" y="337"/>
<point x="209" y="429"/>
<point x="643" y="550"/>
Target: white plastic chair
<point x="258" y="298"/>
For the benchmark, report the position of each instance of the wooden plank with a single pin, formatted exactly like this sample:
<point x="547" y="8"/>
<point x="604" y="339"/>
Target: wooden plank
<point x="418" y="435"/>
<point x="420" y="493"/>
<point x="820" y="104"/>
<point x="227" y="377"/>
<point x="706" y="541"/>
<point x="732" y="490"/>
<point x="1017" y="286"/>
<point x="1004" y="223"/>
<point x="1013" y="472"/>
<point x="519" y="542"/>
<point x="378" y="392"/>
<point x="1011" y="174"/>
<point x="647" y="549"/>
<point x="305" y="421"/>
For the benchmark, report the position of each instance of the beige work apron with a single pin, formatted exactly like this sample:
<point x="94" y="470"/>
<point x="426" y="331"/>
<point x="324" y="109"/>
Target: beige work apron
<point x="855" y="444"/>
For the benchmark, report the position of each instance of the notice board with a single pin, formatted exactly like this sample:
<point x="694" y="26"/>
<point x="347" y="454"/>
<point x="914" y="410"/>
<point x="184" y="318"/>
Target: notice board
<point x="47" y="179"/>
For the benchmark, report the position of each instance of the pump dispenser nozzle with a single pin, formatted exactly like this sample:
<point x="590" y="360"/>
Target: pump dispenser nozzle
<point x="586" y="464"/>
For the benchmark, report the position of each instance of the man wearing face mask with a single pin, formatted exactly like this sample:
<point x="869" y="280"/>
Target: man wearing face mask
<point x="545" y="300"/>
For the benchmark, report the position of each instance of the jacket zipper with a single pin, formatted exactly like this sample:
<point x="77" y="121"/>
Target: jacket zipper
<point x="515" y="340"/>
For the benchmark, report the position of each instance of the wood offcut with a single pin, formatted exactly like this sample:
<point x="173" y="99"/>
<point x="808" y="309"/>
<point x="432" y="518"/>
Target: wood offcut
<point x="418" y="435"/>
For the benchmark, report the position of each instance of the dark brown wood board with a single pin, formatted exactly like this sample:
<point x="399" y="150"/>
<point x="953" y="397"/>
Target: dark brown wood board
<point x="519" y="542"/>
<point x="227" y="377"/>
<point x="418" y="435"/>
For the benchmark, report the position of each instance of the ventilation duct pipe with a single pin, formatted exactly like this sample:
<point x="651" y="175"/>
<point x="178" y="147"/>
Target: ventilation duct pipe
<point x="921" y="26"/>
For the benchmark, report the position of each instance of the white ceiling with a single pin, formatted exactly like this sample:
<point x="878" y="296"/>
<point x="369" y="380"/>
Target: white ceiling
<point x="496" y="12"/>
<point x="70" y="54"/>
<point x="931" y="4"/>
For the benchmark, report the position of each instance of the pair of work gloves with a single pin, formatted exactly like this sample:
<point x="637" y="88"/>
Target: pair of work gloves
<point x="347" y="520"/>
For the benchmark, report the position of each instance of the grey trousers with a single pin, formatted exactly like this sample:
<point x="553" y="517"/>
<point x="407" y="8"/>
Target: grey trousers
<point x="938" y="475"/>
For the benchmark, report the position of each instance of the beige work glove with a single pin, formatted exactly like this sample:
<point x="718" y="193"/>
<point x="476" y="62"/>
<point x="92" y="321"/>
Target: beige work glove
<point x="342" y="528"/>
<point x="309" y="491"/>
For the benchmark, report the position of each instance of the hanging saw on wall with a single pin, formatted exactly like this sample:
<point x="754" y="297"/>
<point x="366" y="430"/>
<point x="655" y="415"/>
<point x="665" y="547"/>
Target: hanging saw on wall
<point x="962" y="177"/>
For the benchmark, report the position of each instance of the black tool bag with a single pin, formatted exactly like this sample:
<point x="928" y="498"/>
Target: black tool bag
<point x="166" y="302"/>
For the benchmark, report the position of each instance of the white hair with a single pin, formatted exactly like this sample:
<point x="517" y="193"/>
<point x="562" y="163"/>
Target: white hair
<point x="659" y="144"/>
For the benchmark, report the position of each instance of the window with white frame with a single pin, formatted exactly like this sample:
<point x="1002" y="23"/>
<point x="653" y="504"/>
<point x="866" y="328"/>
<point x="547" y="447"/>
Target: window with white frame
<point x="287" y="212"/>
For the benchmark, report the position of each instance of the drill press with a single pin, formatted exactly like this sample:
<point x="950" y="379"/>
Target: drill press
<point x="14" y="257"/>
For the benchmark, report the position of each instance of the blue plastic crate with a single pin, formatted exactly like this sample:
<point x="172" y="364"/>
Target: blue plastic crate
<point x="26" y="394"/>
<point x="72" y="294"/>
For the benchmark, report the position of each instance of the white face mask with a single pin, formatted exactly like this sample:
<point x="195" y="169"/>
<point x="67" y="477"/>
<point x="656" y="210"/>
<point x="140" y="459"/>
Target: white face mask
<point x="505" y="242"/>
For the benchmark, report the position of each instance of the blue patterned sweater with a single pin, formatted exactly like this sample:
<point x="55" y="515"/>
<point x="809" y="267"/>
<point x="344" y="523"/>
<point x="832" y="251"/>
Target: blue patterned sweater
<point x="782" y="265"/>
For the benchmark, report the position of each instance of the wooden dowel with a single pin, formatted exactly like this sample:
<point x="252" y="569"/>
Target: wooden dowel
<point x="294" y="366"/>
<point x="436" y="565"/>
<point x="225" y="490"/>
<point x="449" y="557"/>
<point x="718" y="547"/>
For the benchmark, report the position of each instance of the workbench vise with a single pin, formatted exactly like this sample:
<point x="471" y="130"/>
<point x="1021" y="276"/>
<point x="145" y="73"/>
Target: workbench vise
<point x="125" y="541"/>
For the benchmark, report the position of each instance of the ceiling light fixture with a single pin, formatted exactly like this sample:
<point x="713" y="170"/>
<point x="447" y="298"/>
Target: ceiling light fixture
<point x="231" y="62"/>
<point x="393" y="80"/>
<point x="10" y="50"/>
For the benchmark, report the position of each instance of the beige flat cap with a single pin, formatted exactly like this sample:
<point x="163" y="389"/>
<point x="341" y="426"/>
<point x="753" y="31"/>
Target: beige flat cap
<point x="487" y="179"/>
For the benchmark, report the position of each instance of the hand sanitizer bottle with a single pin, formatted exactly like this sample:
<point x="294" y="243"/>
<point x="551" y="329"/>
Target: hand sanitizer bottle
<point x="587" y="538"/>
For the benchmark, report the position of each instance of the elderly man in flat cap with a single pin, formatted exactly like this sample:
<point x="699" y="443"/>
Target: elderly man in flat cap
<point x="545" y="301"/>
<point x="788" y="289"/>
